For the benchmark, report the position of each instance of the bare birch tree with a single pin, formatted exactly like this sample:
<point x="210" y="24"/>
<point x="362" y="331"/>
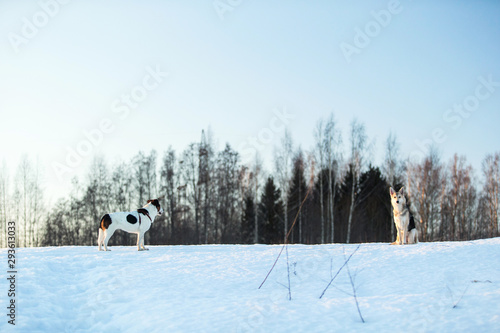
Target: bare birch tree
<point x="36" y="205"/>
<point x="121" y="187"/>
<point x="332" y="141"/>
<point x="189" y="170"/>
<point x="491" y="192"/>
<point x="169" y="182"/>
<point x="206" y="169"/>
<point x="283" y="165"/>
<point x="358" y="141"/>
<point x="318" y="135"/>
<point x="256" y="177"/>
<point x="139" y="178"/>
<point x="23" y="184"/>
<point x="460" y="200"/>
<point x="96" y="197"/>
<point x="29" y="194"/>
<point x="392" y="169"/>
<point x="150" y="175"/>
<point x="229" y="202"/>
<point x="425" y="190"/>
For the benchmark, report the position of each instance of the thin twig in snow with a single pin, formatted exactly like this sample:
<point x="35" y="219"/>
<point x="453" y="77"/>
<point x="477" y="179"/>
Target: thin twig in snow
<point x="343" y="291"/>
<point x="456" y="303"/>
<point x="354" y="290"/>
<point x="333" y="278"/>
<point x="268" y="273"/>
<point x="286" y="237"/>
<point x="281" y="284"/>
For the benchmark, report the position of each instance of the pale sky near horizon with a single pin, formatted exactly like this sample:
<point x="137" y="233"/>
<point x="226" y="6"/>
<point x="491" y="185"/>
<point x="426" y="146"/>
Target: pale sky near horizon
<point x="427" y="71"/>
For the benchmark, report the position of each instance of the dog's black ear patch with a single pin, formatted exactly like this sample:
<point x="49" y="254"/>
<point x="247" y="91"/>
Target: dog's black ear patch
<point x="131" y="219"/>
<point x="105" y="222"/>
<point x="155" y="203"/>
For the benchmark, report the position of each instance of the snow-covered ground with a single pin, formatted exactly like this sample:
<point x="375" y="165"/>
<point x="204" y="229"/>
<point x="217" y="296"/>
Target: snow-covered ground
<point x="215" y="289"/>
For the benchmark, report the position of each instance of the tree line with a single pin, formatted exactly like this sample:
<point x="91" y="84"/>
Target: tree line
<point x="331" y="193"/>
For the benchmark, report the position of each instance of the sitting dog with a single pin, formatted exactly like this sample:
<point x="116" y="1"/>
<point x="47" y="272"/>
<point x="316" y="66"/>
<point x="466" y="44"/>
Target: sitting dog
<point x="137" y="222"/>
<point x="405" y="224"/>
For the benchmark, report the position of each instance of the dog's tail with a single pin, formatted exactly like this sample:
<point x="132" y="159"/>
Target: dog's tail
<point x="105" y="222"/>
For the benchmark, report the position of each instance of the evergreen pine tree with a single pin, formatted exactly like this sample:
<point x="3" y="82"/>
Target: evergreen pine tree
<point x="298" y="190"/>
<point x="271" y="215"/>
<point x="248" y="221"/>
<point x="374" y="208"/>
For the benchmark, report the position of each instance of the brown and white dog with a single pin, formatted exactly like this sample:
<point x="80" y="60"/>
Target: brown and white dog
<point x="137" y="222"/>
<point x="405" y="225"/>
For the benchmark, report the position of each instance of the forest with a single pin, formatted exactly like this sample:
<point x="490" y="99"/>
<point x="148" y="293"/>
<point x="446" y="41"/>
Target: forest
<point x="329" y="194"/>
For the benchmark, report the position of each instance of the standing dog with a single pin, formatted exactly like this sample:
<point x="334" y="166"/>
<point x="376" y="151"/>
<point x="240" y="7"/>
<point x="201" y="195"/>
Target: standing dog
<point x="405" y="225"/>
<point x="137" y="222"/>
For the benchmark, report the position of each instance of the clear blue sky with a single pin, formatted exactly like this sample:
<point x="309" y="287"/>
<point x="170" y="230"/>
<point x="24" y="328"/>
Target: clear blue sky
<point x="229" y="67"/>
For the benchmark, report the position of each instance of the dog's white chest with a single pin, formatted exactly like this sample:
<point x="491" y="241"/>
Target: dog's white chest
<point x="401" y="220"/>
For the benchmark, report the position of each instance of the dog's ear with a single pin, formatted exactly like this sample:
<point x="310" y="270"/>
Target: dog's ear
<point x="149" y="201"/>
<point x="155" y="203"/>
<point x="402" y="191"/>
<point x="392" y="192"/>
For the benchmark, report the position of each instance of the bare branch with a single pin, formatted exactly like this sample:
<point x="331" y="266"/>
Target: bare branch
<point x="286" y="237"/>
<point x="354" y="291"/>
<point x="336" y="274"/>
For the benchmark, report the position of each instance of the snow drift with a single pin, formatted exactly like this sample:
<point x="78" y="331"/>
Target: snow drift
<point x="428" y="287"/>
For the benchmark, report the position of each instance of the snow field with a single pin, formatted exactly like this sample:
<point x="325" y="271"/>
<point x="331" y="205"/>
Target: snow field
<point x="213" y="288"/>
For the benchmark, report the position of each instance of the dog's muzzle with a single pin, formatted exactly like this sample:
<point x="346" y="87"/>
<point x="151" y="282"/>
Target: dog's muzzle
<point x="160" y="211"/>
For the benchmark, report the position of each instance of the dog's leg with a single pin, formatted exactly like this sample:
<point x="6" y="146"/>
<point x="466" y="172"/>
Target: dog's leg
<point x="139" y="241"/>
<point x="413" y="237"/>
<point x="100" y="239"/>
<point x="396" y="242"/>
<point x="107" y="235"/>
<point x="400" y="236"/>
<point x="142" y="243"/>
<point x="404" y="238"/>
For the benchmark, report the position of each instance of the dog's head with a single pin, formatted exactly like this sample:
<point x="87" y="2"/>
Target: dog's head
<point x="398" y="199"/>
<point x="156" y="203"/>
